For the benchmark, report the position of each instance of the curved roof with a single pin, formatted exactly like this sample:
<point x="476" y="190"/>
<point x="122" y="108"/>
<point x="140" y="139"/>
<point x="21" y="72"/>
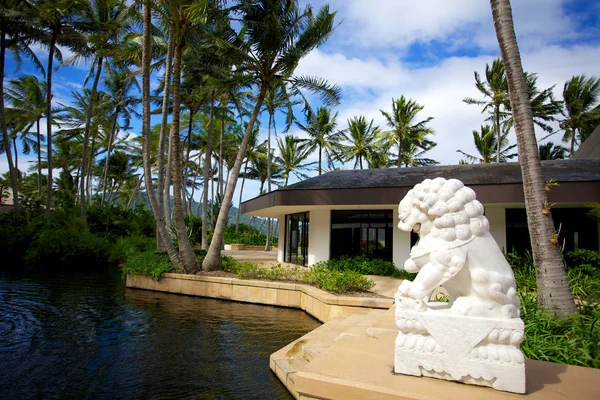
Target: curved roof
<point x="579" y="181"/>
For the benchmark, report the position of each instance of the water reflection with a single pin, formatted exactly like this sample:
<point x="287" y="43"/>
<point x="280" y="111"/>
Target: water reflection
<point x="85" y="336"/>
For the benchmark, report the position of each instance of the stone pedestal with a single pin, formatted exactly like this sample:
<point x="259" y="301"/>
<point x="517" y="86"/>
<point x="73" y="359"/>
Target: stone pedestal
<point x="474" y="350"/>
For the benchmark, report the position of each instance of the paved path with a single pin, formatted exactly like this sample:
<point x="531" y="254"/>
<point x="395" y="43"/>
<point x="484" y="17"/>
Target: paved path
<point x="252" y="255"/>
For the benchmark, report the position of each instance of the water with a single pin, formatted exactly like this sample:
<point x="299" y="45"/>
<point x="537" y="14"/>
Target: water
<point x="69" y="335"/>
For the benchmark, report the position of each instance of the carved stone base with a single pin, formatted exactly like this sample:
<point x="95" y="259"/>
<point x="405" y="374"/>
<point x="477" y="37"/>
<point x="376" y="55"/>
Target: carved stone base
<point x="478" y="351"/>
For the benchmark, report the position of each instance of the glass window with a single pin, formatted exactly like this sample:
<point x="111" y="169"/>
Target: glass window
<point x="296" y="238"/>
<point x="361" y="232"/>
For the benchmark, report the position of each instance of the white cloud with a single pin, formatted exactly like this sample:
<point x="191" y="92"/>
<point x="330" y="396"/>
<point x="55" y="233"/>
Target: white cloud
<point x="369" y="85"/>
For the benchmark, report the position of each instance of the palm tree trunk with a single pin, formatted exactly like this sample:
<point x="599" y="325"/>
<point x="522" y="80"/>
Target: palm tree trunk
<point x="186" y="253"/>
<point x="221" y="154"/>
<point x="498" y="134"/>
<point x="237" y="222"/>
<point x="12" y="170"/>
<point x="111" y="138"/>
<point x="49" y="121"/>
<point x="14" y="144"/>
<point x="158" y="217"/>
<point x="554" y="293"/>
<point x="162" y="199"/>
<point x="268" y="244"/>
<point x="399" y="152"/>
<point x="88" y="177"/>
<point x="213" y="257"/>
<point x="168" y="174"/>
<point x="320" y="159"/>
<point x="573" y="132"/>
<point x="360" y="160"/>
<point x="86" y="135"/>
<point x="39" y="154"/>
<point x="207" y="168"/>
<point x="187" y="158"/>
<point x="137" y="188"/>
<point x="194" y="182"/>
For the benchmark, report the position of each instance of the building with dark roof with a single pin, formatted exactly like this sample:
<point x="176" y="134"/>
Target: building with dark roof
<point x="351" y="212"/>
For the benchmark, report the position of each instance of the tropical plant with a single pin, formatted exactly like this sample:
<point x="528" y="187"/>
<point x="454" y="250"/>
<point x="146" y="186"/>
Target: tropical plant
<point x="291" y="158"/>
<point x="268" y="53"/>
<point x="406" y="133"/>
<point x="60" y="20"/>
<point x="485" y="143"/>
<point x="553" y="287"/>
<point x="27" y="96"/>
<point x="551" y="151"/>
<point x="362" y="139"/>
<point x="581" y="112"/>
<point x="321" y="129"/>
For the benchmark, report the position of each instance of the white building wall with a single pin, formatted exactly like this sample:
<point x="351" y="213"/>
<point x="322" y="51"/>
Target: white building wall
<point x="281" y="238"/>
<point x="319" y="236"/>
<point x="497" y="219"/>
<point x="401" y="242"/>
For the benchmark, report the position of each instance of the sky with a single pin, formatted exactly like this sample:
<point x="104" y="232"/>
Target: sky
<point x="426" y="50"/>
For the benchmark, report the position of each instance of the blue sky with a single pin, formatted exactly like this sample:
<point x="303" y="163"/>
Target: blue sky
<point x="426" y="50"/>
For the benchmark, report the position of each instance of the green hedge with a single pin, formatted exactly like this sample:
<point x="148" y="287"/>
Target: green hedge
<point x="365" y="266"/>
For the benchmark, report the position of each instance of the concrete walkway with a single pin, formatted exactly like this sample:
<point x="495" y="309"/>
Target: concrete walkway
<point x="252" y="255"/>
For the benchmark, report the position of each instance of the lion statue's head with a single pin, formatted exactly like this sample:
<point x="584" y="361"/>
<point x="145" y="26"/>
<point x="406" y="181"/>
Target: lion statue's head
<point x="442" y="209"/>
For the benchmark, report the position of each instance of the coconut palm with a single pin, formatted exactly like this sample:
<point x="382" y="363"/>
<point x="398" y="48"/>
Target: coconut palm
<point x="104" y="22"/>
<point x="291" y="158"/>
<point x="277" y="35"/>
<point x="554" y="293"/>
<point x="495" y="92"/>
<point x="119" y="83"/>
<point x="362" y="139"/>
<point x="59" y="18"/>
<point x="406" y="132"/>
<point x="551" y="151"/>
<point x="258" y="170"/>
<point x="322" y="135"/>
<point x="252" y="154"/>
<point x="17" y="32"/>
<point x="580" y="94"/>
<point x="485" y="143"/>
<point x="414" y="149"/>
<point x="163" y="233"/>
<point x="27" y="96"/>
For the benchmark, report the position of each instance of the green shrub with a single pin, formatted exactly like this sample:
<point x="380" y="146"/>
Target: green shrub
<point x="115" y="221"/>
<point x="366" y="266"/>
<point x="582" y="256"/>
<point x="126" y="246"/>
<point x="574" y="340"/>
<point x="67" y="247"/>
<point x="337" y="281"/>
<point x="147" y="263"/>
<point x="247" y="235"/>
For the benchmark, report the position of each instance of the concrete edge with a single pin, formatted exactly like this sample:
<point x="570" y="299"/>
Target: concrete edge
<point x="318" y="303"/>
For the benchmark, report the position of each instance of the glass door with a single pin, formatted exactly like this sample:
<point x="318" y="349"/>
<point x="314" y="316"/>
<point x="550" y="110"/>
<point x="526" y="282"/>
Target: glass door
<point x="296" y="238"/>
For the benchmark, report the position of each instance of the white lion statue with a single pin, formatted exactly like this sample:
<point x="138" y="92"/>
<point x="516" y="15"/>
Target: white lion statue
<point x="455" y="250"/>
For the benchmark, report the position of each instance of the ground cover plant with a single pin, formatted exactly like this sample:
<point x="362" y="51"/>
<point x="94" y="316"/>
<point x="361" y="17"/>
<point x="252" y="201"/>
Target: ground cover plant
<point x="571" y="340"/>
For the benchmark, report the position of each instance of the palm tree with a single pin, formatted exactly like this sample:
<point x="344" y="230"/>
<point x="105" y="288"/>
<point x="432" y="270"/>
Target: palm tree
<point x="104" y="23"/>
<point x="27" y="96"/>
<point x="414" y="149"/>
<point x="163" y="235"/>
<point x="580" y="95"/>
<point x="485" y="143"/>
<point x="406" y="133"/>
<point x="277" y="35"/>
<point x="259" y="171"/>
<point x="322" y="134"/>
<point x="57" y="17"/>
<point x="362" y="137"/>
<point x="119" y="83"/>
<point x="551" y="151"/>
<point x="17" y="32"/>
<point x="495" y="92"/>
<point x="291" y="158"/>
<point x="252" y="154"/>
<point x="276" y="98"/>
<point x="554" y="293"/>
